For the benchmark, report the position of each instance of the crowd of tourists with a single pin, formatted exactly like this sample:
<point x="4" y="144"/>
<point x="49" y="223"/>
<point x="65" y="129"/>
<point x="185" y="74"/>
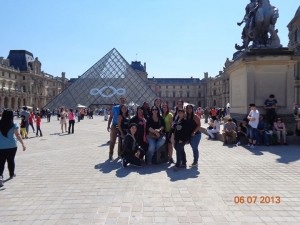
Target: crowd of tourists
<point x="254" y="129"/>
<point x="151" y="128"/>
<point x="11" y="132"/>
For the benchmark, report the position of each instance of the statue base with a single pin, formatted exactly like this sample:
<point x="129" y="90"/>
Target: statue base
<point x="257" y="73"/>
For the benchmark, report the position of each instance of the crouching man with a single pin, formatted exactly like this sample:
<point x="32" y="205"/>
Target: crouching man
<point x="229" y="132"/>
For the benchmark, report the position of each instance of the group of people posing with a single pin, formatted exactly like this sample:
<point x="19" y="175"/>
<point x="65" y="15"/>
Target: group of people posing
<point x="152" y="128"/>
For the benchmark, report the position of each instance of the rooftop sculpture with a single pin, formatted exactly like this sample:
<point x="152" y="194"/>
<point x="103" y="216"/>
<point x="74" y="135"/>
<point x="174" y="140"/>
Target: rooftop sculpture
<point x="259" y="20"/>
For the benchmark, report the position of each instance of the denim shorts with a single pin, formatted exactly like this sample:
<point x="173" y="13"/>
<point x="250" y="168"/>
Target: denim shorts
<point x="253" y="133"/>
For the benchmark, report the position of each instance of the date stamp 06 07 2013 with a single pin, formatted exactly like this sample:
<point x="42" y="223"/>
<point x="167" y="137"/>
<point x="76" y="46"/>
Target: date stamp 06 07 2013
<point x="254" y="199"/>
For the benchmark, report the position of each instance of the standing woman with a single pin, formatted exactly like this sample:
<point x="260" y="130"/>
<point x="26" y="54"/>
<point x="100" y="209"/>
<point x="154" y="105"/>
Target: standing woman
<point x="8" y="143"/>
<point x="157" y="103"/>
<point x="168" y="118"/>
<point x="123" y="123"/>
<point x="155" y="130"/>
<point x="194" y="125"/>
<point x="71" y="117"/>
<point x="181" y="136"/>
<point x="63" y="119"/>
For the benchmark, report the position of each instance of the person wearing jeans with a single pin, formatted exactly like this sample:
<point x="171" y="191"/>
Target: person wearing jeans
<point x="155" y="136"/>
<point x="194" y="125"/>
<point x="71" y="117"/>
<point x="181" y="136"/>
<point x="194" y="142"/>
<point x="112" y="128"/>
<point x="8" y="143"/>
<point x="253" y="118"/>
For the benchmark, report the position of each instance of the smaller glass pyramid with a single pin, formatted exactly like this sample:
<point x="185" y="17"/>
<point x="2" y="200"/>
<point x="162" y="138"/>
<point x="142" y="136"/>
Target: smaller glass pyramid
<point x="103" y="84"/>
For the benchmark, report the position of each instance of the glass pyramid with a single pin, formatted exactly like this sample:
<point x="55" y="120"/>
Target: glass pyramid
<point x="103" y="84"/>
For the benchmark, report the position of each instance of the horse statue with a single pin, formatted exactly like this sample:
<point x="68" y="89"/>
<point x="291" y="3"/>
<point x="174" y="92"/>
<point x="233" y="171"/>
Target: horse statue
<point x="260" y="20"/>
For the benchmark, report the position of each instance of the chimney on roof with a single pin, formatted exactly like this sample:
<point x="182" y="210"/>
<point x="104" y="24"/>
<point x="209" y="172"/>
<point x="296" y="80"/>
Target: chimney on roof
<point x="220" y="72"/>
<point x="206" y="75"/>
<point x="145" y="67"/>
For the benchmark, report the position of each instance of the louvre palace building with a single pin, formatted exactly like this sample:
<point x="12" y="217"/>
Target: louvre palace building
<point x="23" y="82"/>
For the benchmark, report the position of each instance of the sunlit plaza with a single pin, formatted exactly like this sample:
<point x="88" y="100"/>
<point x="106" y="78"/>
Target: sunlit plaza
<point x="71" y="178"/>
<point x="67" y="179"/>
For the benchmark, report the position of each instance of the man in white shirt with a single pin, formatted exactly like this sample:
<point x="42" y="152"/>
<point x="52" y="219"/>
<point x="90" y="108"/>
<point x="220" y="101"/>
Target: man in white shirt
<point x="253" y="118"/>
<point x="214" y="130"/>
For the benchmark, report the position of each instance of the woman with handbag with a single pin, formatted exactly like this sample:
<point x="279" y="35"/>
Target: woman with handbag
<point x="155" y="129"/>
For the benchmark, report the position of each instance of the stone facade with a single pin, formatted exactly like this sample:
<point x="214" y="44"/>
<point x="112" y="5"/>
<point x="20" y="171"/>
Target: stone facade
<point x="206" y="92"/>
<point x="294" y="45"/>
<point x="26" y="84"/>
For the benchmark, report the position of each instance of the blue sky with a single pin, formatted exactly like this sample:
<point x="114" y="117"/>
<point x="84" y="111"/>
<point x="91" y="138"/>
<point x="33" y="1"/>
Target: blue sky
<point x="175" y="38"/>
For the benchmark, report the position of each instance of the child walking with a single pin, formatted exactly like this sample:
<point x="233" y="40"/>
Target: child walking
<point x="23" y="127"/>
<point x="38" y="125"/>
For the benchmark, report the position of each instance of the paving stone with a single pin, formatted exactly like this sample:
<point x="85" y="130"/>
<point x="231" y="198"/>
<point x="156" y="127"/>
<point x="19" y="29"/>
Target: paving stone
<point x="67" y="179"/>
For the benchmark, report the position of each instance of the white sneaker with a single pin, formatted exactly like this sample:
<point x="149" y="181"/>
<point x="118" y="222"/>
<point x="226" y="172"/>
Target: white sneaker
<point x="1" y="181"/>
<point x="239" y="143"/>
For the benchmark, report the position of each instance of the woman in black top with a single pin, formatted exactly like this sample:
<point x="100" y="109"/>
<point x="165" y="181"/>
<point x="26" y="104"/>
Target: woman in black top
<point x="123" y="123"/>
<point x="141" y="123"/>
<point x="131" y="151"/>
<point x="181" y="137"/>
<point x="155" y="133"/>
<point x="194" y="125"/>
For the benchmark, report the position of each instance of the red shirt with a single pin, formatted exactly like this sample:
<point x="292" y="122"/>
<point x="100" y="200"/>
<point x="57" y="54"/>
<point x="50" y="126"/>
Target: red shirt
<point x="38" y="121"/>
<point x="31" y="117"/>
<point x="213" y="112"/>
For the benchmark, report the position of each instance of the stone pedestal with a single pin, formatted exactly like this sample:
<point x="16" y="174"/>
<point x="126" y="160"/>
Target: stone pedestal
<point x="256" y="74"/>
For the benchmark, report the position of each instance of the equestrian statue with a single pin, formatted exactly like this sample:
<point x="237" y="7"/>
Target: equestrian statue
<point x="260" y="20"/>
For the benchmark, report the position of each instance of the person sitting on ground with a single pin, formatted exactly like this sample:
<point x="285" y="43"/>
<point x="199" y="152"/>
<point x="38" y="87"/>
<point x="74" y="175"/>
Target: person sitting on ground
<point x="229" y="132"/>
<point x="263" y="135"/>
<point x="279" y="128"/>
<point x="242" y="131"/>
<point x="215" y="128"/>
<point x="131" y="151"/>
<point x="141" y="133"/>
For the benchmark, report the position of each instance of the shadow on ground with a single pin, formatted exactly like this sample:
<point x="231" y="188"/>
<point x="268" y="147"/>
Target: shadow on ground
<point x="286" y="154"/>
<point x="108" y="166"/>
<point x="182" y="174"/>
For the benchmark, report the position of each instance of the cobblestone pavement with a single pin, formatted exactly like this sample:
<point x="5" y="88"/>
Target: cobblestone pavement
<point x="67" y="179"/>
